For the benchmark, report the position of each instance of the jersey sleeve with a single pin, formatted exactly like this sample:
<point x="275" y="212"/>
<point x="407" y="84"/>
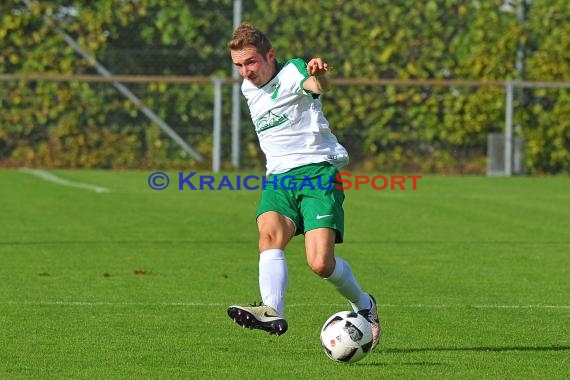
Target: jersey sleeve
<point x="302" y="75"/>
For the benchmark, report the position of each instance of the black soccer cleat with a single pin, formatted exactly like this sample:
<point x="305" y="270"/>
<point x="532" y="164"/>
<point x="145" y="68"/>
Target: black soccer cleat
<point x="258" y="317"/>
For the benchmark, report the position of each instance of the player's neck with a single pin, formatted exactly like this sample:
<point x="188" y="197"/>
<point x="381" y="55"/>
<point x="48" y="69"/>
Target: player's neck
<point x="276" y="68"/>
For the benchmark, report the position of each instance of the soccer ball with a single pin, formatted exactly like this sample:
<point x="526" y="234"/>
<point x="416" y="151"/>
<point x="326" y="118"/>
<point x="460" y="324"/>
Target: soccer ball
<point x="346" y="337"/>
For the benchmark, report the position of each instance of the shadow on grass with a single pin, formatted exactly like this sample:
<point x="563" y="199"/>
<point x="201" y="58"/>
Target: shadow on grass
<point x="453" y="349"/>
<point x="480" y="349"/>
<point x="419" y="364"/>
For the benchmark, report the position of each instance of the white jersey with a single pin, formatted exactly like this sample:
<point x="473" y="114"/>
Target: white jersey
<point x="289" y="121"/>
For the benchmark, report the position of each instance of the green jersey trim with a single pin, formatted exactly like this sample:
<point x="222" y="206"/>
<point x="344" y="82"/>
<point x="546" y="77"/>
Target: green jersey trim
<point x="300" y="65"/>
<point x="302" y="68"/>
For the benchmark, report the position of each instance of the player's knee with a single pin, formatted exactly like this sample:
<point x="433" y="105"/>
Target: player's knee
<point x="272" y="238"/>
<point x="321" y="266"/>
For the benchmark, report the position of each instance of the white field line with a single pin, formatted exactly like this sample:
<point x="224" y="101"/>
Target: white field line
<point x="64" y="182"/>
<point x="202" y="304"/>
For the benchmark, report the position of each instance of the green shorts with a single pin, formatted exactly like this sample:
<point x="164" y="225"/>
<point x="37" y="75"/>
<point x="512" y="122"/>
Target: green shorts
<point x="308" y="195"/>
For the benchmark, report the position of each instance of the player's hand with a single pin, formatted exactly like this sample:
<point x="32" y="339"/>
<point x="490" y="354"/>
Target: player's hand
<point x="317" y="66"/>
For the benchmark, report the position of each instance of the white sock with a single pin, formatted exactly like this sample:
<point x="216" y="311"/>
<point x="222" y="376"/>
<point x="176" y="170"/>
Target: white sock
<point x="345" y="283"/>
<point x="273" y="279"/>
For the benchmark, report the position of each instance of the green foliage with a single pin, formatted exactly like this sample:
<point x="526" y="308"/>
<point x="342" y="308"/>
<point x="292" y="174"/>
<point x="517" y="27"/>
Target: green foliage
<point x="389" y="128"/>
<point x="439" y="129"/>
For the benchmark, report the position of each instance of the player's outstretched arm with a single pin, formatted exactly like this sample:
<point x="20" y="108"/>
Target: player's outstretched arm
<point x="318" y="82"/>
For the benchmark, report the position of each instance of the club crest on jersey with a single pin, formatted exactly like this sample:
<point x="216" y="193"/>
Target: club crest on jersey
<point x="269" y="121"/>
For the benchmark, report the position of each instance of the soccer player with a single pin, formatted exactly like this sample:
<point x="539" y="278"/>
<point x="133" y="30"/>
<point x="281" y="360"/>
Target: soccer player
<point x="302" y="156"/>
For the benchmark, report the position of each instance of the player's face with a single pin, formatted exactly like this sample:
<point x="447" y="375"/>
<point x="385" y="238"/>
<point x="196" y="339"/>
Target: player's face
<point x="253" y="66"/>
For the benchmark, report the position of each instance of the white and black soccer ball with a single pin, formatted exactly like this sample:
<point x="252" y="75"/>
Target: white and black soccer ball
<point x="346" y="337"/>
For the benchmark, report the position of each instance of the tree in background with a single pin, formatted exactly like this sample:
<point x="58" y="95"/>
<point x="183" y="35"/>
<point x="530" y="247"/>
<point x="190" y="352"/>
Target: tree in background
<point x="439" y="129"/>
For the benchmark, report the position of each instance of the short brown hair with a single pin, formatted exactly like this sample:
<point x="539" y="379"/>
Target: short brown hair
<point x="248" y="35"/>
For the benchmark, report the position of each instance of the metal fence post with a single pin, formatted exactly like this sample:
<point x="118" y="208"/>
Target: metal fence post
<point x="217" y="143"/>
<point x="236" y="94"/>
<point x="509" y="129"/>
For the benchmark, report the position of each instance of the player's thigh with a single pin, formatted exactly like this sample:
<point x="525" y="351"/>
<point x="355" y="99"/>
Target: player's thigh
<point x="275" y="230"/>
<point x="319" y="248"/>
<point x="277" y="219"/>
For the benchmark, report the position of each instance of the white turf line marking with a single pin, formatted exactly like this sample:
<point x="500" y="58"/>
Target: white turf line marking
<point x="64" y="182"/>
<point x="199" y="304"/>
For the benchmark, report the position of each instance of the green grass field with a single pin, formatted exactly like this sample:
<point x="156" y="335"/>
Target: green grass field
<point x="472" y="275"/>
